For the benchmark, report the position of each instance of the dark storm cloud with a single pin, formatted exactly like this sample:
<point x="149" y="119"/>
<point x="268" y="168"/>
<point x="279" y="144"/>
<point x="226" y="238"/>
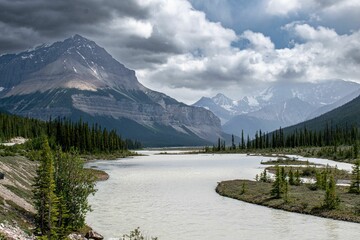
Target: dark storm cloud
<point x="42" y="20"/>
<point x="187" y="50"/>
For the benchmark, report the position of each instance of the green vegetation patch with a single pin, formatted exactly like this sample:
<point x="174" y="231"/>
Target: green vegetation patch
<point x="311" y="171"/>
<point x="300" y="199"/>
<point x="20" y="192"/>
<point x="10" y="212"/>
<point x="287" y="161"/>
<point x="99" y="175"/>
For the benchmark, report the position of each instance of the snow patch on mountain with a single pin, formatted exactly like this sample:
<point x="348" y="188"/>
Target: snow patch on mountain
<point x="81" y="85"/>
<point x="282" y="104"/>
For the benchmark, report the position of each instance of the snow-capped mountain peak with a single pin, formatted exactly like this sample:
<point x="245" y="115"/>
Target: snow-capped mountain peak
<point x="76" y="77"/>
<point x="284" y="103"/>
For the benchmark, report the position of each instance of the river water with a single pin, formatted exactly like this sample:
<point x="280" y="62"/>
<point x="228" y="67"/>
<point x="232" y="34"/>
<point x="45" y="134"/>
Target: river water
<point x="173" y="197"/>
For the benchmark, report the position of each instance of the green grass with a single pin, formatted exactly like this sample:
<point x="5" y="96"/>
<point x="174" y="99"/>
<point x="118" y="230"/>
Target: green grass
<point x="286" y="161"/>
<point x="310" y="171"/>
<point x="9" y="212"/>
<point x="20" y="192"/>
<point x="300" y="199"/>
<point x="311" y="152"/>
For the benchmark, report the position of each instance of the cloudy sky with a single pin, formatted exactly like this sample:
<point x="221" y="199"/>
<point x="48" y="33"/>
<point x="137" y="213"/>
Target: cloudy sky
<point x="193" y="48"/>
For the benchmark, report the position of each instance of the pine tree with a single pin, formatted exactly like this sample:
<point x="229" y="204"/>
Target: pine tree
<point x="286" y="191"/>
<point x="243" y="188"/>
<point x="74" y="186"/>
<point x="297" y="178"/>
<point x="242" y="140"/>
<point x="45" y="199"/>
<point x="356" y="149"/>
<point x="277" y="190"/>
<point x="264" y="177"/>
<point x="291" y="177"/>
<point x="355" y="183"/>
<point x="331" y="200"/>
<point x="233" y="146"/>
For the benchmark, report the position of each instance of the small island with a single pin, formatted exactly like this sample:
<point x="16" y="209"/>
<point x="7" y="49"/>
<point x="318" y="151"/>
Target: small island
<point x="302" y="189"/>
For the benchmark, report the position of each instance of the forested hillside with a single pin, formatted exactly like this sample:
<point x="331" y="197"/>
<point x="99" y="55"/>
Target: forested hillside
<point x="345" y="116"/>
<point x="84" y="137"/>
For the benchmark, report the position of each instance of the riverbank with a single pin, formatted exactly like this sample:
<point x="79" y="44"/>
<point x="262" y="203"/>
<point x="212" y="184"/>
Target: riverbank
<point x="300" y="199"/>
<point x="99" y="175"/>
<point x="16" y="197"/>
<point x="329" y="153"/>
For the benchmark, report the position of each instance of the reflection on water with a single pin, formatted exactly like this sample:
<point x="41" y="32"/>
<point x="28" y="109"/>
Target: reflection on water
<point x="173" y="197"/>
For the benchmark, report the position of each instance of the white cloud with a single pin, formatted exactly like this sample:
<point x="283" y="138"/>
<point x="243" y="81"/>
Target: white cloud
<point x="189" y="29"/>
<point x="130" y="26"/>
<point x="185" y="54"/>
<point x="309" y="33"/>
<point x="324" y="55"/>
<point x="176" y="49"/>
<point x="282" y="7"/>
<point x="258" y="41"/>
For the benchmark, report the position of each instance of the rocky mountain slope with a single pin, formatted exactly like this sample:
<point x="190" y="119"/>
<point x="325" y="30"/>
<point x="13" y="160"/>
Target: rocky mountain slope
<point x="77" y="78"/>
<point x="16" y="208"/>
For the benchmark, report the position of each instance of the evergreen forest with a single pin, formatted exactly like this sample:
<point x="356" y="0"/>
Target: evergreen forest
<point x="87" y="139"/>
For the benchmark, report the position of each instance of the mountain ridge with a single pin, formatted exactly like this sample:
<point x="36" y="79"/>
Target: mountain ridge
<point x="280" y="105"/>
<point x="77" y="78"/>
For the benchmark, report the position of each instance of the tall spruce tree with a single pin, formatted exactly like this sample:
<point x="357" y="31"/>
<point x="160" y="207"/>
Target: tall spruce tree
<point x="45" y="200"/>
<point x="297" y="178"/>
<point x="355" y="183"/>
<point x="331" y="200"/>
<point x="74" y="186"/>
<point x="291" y="177"/>
<point x="277" y="189"/>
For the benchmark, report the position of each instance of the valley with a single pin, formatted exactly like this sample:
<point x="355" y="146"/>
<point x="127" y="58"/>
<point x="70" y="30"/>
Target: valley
<point x="181" y="119"/>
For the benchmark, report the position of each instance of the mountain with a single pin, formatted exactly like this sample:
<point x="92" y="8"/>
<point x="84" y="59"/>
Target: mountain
<point x="282" y="105"/>
<point x="249" y="125"/>
<point x="286" y="112"/>
<point x="317" y="94"/>
<point x="76" y="78"/>
<point x="220" y="105"/>
<point x="328" y="108"/>
<point x="270" y="117"/>
<point x="347" y="115"/>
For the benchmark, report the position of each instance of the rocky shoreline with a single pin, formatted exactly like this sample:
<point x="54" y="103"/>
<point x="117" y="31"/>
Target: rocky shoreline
<point x="17" y="212"/>
<point x="14" y="232"/>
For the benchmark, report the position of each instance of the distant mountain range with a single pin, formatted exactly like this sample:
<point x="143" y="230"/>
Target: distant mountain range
<point x="280" y="105"/>
<point x="76" y="78"/>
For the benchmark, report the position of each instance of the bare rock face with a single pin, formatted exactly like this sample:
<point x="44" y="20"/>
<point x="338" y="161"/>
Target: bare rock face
<point x="14" y="232"/>
<point x="94" y="235"/>
<point x="77" y="78"/>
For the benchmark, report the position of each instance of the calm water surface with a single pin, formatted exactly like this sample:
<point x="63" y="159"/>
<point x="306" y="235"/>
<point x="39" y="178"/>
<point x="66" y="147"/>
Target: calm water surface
<point x="172" y="197"/>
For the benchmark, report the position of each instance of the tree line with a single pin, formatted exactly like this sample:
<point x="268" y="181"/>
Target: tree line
<point x="66" y="133"/>
<point x="329" y="136"/>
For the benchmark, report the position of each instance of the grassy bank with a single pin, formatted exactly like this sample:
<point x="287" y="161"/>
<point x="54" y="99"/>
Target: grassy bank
<point x="300" y="199"/>
<point x="331" y="153"/>
<point x="99" y="175"/>
<point x="108" y="156"/>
